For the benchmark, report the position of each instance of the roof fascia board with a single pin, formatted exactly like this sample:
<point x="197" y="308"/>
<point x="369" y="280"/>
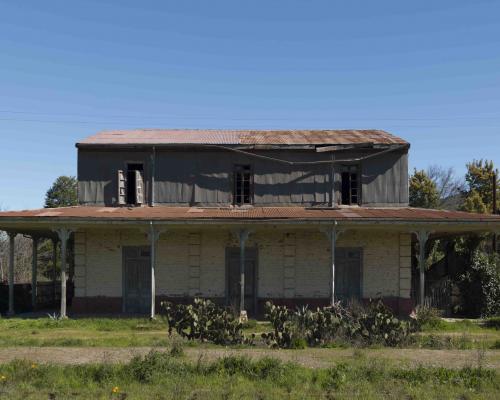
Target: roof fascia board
<point x="9" y="223"/>
<point x="160" y="146"/>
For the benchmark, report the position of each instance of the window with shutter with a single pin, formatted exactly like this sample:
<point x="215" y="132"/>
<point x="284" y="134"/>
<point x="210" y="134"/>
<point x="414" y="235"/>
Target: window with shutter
<point x="139" y="187"/>
<point x="134" y="184"/>
<point x="122" y="188"/>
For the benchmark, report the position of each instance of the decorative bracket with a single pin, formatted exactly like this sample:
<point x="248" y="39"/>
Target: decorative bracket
<point x="64" y="233"/>
<point x="154" y="232"/>
<point x="242" y="235"/>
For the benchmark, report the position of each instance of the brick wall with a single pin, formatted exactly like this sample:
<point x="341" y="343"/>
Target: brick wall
<point x="291" y="264"/>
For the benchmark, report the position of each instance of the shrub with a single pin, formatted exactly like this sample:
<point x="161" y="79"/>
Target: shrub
<point x="368" y="325"/>
<point x="205" y="321"/>
<point x="145" y="369"/>
<point x="432" y="341"/>
<point x="480" y="286"/>
<point x="427" y="318"/>
<point x="176" y="350"/>
<point x="379" y="325"/>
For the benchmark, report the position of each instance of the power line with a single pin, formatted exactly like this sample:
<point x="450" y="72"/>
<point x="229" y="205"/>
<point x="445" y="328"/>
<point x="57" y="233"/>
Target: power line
<point x="295" y="117"/>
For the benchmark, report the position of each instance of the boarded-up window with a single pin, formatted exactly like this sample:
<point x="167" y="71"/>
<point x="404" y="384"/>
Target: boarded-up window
<point x="243" y="185"/>
<point x="350" y="185"/>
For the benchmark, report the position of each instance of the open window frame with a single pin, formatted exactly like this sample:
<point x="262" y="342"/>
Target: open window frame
<point x="243" y="185"/>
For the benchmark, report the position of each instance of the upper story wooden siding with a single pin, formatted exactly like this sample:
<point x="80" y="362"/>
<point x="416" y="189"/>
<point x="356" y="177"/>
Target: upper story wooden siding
<point x="191" y="176"/>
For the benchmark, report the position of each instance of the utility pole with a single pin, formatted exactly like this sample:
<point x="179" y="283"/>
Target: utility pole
<point x="495" y="208"/>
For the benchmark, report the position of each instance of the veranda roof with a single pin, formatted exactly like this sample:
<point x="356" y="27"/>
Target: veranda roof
<point x="361" y="216"/>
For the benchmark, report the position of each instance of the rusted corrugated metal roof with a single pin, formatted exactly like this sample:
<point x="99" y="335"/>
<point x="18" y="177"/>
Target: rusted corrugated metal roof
<point x="241" y="137"/>
<point x="256" y="213"/>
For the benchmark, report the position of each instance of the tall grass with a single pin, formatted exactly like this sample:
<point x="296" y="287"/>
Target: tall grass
<point x="159" y="375"/>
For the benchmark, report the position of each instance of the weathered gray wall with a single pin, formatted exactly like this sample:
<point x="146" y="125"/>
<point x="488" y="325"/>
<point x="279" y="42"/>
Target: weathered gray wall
<point x="188" y="177"/>
<point x="97" y="174"/>
<point x="385" y="180"/>
<point x="207" y="178"/>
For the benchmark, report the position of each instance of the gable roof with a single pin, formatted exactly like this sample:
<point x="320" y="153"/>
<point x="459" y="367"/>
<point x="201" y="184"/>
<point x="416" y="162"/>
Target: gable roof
<point x="241" y="137"/>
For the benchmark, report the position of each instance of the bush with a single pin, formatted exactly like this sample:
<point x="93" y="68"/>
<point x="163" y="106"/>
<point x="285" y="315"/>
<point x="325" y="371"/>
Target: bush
<point x="146" y="369"/>
<point x="205" y="321"/>
<point x="366" y="325"/>
<point x="427" y="318"/>
<point x="379" y="325"/>
<point x="480" y="286"/>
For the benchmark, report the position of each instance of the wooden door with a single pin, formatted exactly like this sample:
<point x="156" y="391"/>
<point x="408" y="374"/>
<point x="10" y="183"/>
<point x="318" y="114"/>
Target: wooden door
<point x="347" y="274"/>
<point x="233" y="287"/>
<point x="136" y="280"/>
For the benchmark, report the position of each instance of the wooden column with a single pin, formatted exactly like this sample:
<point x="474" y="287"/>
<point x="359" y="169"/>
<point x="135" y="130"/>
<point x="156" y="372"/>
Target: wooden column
<point x="64" y="235"/>
<point x="153" y="236"/>
<point x="12" y="236"/>
<point x="242" y="238"/>
<point x="34" y="271"/>
<point x="422" y="237"/>
<point x="332" y="233"/>
<point x="54" y="269"/>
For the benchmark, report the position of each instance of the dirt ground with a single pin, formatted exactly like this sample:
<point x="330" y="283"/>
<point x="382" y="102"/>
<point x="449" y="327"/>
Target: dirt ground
<point x="314" y="358"/>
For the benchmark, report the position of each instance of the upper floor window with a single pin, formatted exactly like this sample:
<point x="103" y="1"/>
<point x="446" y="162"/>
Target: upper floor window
<point x="131" y="185"/>
<point x="350" y="184"/>
<point x="243" y="185"/>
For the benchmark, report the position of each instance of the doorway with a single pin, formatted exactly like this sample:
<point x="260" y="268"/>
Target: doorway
<point x="348" y="274"/>
<point x="136" y="279"/>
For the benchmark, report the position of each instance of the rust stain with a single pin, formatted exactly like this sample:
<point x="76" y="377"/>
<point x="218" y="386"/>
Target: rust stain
<point x="242" y="137"/>
<point x="291" y="213"/>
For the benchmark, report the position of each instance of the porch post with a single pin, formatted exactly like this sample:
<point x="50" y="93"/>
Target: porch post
<point x="64" y="235"/>
<point x="332" y="234"/>
<point x="54" y="270"/>
<point x="422" y="237"/>
<point x="333" y="244"/>
<point x="12" y="236"/>
<point x="153" y="236"/>
<point x="243" y="236"/>
<point x="34" y="271"/>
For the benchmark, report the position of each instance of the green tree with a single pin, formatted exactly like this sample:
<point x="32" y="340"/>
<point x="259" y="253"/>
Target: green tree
<point x="62" y="193"/>
<point x="479" y="192"/>
<point x="423" y="191"/>
<point x="480" y="285"/>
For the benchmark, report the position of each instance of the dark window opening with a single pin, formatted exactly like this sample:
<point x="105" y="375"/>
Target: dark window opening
<point x="133" y="176"/>
<point x="243" y="182"/>
<point x="350" y="185"/>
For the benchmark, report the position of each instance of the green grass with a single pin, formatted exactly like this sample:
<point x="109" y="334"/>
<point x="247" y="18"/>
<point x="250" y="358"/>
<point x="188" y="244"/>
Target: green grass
<point x="460" y="335"/>
<point x="142" y="332"/>
<point x="113" y="332"/>
<point x="162" y="376"/>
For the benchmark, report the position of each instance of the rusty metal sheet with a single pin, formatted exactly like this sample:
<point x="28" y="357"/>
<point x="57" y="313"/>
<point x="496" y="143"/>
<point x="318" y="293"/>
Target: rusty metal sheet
<point x="241" y="137"/>
<point x="290" y="213"/>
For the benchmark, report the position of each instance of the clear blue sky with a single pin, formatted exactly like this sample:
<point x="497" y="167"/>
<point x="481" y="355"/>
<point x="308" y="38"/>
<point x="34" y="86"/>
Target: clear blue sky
<point x="428" y="71"/>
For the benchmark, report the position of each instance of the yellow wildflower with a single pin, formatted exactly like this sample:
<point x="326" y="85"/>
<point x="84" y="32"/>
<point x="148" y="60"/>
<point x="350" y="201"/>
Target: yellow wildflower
<point x="116" y="389"/>
<point x="33" y="366"/>
<point x="3" y="378"/>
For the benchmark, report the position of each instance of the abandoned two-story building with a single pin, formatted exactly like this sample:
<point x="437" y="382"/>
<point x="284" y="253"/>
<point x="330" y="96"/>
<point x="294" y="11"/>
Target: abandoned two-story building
<point x="298" y="217"/>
